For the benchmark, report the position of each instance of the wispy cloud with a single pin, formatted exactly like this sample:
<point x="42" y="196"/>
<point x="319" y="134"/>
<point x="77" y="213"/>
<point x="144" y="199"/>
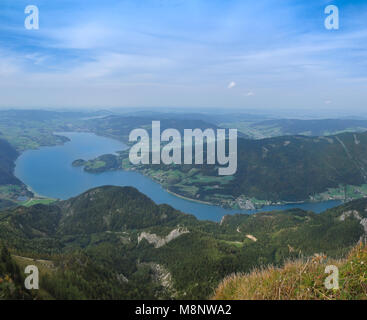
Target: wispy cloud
<point x="178" y="53"/>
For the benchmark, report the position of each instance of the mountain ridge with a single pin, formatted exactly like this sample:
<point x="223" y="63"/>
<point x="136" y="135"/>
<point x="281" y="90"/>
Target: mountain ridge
<point x="100" y="236"/>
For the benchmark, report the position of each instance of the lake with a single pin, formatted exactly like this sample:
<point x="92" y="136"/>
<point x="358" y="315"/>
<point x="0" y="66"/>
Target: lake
<point x="48" y="172"/>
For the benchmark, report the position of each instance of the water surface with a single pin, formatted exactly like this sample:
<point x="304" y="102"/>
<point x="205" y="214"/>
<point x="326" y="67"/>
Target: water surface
<point x="48" y="171"/>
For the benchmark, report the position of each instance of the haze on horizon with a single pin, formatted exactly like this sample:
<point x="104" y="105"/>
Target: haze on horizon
<point x="193" y="53"/>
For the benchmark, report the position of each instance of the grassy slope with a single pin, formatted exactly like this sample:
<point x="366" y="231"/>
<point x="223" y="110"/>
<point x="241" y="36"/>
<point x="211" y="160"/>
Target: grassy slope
<point x="300" y="280"/>
<point x="32" y="202"/>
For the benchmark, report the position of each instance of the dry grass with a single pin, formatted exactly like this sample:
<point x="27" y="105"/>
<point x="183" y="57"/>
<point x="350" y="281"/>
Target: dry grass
<point x="300" y="280"/>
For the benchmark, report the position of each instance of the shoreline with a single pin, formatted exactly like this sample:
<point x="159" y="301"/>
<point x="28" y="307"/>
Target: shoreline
<point x="174" y="193"/>
<point x="188" y="199"/>
<point x="257" y="207"/>
<point x="36" y="195"/>
<point x="213" y="204"/>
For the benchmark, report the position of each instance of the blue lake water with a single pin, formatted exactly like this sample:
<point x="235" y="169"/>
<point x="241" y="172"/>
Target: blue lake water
<point x="48" y="171"/>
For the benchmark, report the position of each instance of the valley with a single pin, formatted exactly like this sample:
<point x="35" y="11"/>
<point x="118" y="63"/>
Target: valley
<point x="175" y="152"/>
<point x="93" y="236"/>
<point x="274" y="158"/>
<point x="56" y="177"/>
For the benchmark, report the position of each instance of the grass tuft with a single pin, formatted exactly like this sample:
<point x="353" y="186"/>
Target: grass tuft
<point x="300" y="280"/>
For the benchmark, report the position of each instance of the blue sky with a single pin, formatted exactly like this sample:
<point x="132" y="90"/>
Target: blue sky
<point x="264" y="54"/>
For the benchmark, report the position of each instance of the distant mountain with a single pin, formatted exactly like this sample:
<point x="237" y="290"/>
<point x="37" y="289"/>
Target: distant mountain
<point x="115" y="243"/>
<point x="44" y="115"/>
<point x="315" y="127"/>
<point x="321" y="127"/>
<point x="213" y="116"/>
<point x="119" y="127"/>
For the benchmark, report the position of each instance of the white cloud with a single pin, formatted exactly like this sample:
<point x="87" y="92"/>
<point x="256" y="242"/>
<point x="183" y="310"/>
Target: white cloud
<point x="231" y="85"/>
<point x="116" y="64"/>
<point x="86" y="36"/>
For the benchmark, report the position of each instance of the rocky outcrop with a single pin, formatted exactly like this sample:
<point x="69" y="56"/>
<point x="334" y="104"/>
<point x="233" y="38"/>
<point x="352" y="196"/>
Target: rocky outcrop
<point x="158" y="241"/>
<point x="122" y="279"/>
<point x="222" y="220"/>
<point x="251" y="237"/>
<point x="349" y="213"/>
<point x="362" y="221"/>
<point x="162" y="275"/>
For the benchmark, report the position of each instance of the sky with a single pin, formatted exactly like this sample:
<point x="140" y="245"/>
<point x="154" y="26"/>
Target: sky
<point x="263" y="54"/>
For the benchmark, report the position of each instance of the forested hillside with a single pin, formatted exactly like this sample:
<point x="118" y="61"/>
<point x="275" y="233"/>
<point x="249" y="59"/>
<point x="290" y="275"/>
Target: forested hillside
<point x="113" y="242"/>
<point x="289" y="168"/>
<point x="119" y="127"/>
<point x="282" y="169"/>
<point x="11" y="188"/>
<point x="11" y="278"/>
<point x="297" y="167"/>
<point x="7" y="157"/>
